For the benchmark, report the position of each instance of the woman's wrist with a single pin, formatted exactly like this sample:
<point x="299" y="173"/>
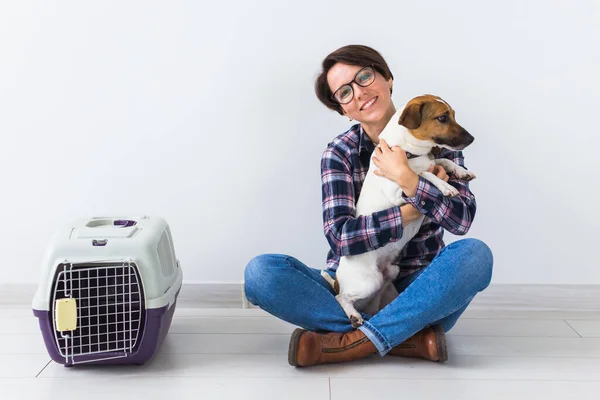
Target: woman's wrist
<point x="408" y="182"/>
<point x="409" y="214"/>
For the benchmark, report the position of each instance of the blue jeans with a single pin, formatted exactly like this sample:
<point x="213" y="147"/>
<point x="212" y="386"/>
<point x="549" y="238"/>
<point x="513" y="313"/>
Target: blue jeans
<point x="437" y="294"/>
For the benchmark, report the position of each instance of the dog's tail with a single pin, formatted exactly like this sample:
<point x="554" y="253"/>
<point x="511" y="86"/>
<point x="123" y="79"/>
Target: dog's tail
<point x="334" y="284"/>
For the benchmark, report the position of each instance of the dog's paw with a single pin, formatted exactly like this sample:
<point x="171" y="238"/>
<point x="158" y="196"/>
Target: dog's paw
<point x="465" y="175"/>
<point x="356" y="320"/>
<point x="469" y="177"/>
<point x="449" y="191"/>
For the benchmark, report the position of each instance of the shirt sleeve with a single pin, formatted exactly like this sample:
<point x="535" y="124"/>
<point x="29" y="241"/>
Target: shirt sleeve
<point x="346" y="233"/>
<point x="455" y="214"/>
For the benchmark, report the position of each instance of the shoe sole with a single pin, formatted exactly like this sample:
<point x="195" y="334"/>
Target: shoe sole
<point x="441" y="343"/>
<point x="293" y="348"/>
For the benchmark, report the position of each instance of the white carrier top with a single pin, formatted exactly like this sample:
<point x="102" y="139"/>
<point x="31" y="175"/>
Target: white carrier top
<point x="145" y="241"/>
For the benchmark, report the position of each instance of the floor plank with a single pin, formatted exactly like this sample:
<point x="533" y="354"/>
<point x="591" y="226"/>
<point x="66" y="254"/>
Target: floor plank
<point x="587" y="329"/>
<point x="513" y="328"/>
<point x="342" y="388"/>
<point x="22" y="365"/>
<point x="276" y="365"/>
<point x="524" y="346"/>
<point x="161" y="388"/>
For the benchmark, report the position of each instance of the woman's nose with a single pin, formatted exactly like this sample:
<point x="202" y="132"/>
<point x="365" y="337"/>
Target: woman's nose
<point x="359" y="91"/>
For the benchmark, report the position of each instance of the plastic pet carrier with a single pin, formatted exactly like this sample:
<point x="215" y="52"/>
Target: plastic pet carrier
<point x="108" y="290"/>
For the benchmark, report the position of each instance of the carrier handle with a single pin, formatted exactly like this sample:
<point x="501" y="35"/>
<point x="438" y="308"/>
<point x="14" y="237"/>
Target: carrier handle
<point x="106" y="222"/>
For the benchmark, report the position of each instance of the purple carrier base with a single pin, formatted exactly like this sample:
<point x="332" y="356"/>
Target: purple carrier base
<point x="157" y="324"/>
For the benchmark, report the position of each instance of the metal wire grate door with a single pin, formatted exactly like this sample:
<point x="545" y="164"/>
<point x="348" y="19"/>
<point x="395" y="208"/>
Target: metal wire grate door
<point x="110" y="310"/>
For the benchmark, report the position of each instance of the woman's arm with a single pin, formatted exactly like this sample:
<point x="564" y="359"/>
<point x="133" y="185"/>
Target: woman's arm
<point x="346" y="233"/>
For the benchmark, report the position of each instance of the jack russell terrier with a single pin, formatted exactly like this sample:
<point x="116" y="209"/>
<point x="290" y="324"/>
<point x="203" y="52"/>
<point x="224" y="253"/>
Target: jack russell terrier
<point x="365" y="281"/>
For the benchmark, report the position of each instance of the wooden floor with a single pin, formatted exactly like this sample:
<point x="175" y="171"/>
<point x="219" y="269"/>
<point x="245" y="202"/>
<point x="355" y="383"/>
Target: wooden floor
<point x="229" y="353"/>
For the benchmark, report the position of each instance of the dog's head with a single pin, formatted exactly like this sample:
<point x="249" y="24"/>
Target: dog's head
<point x="430" y="118"/>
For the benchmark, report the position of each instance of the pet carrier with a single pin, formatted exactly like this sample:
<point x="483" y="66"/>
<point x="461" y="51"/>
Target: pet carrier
<point x="107" y="291"/>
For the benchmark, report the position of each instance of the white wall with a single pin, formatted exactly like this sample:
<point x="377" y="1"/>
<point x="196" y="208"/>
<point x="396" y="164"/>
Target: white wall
<point x="220" y="96"/>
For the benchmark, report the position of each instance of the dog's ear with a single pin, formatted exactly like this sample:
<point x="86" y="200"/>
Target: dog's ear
<point x="411" y="116"/>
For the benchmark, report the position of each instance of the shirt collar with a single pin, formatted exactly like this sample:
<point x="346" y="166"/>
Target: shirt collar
<point x="364" y="141"/>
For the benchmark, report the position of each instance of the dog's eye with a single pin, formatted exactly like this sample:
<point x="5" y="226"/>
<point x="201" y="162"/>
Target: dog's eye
<point x="442" y="118"/>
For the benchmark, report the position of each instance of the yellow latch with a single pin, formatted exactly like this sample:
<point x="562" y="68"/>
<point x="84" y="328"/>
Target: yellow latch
<point x="66" y="315"/>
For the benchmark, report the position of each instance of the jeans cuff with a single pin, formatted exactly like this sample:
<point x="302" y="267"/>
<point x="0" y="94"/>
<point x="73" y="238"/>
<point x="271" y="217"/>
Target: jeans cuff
<point x="380" y="342"/>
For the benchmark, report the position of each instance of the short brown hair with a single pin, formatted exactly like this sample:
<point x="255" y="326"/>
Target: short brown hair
<point x="354" y="54"/>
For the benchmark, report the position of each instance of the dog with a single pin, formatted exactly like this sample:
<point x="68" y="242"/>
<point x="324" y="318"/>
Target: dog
<point x="365" y="281"/>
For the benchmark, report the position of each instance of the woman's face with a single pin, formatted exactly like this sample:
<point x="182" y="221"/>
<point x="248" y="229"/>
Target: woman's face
<point x="369" y="104"/>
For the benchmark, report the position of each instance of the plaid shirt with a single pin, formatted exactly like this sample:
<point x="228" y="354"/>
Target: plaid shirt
<point x="344" y="165"/>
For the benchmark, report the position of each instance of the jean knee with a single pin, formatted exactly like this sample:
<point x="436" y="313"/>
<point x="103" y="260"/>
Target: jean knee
<point x="258" y="274"/>
<point x="481" y="261"/>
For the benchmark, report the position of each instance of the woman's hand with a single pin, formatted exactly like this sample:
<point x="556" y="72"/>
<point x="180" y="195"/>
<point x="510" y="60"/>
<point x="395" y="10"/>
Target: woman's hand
<point x="392" y="162"/>
<point x="393" y="165"/>
<point x="439" y="171"/>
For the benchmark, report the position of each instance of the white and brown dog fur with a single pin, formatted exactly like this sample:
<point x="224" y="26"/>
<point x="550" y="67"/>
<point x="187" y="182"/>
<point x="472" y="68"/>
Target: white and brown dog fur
<point x="365" y="281"/>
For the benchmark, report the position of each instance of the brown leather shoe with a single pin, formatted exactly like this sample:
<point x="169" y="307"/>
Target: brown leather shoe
<point x="309" y="348"/>
<point x="429" y="343"/>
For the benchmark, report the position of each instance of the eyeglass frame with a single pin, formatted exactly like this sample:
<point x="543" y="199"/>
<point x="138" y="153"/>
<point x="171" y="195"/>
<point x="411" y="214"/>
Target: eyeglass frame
<point x="372" y="66"/>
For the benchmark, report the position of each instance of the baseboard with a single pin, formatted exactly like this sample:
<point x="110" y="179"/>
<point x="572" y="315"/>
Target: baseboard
<point x="496" y="297"/>
<point x="527" y="297"/>
<point x="200" y="295"/>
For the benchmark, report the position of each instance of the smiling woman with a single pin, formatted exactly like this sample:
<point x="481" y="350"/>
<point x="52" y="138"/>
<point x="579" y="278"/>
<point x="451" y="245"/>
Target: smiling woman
<point x="358" y="84"/>
<point x="436" y="282"/>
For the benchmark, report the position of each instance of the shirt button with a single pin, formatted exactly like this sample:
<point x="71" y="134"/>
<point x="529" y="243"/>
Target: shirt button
<point x="423" y="202"/>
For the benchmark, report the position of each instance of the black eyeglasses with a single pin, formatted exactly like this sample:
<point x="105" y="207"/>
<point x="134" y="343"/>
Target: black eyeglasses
<point x="363" y="78"/>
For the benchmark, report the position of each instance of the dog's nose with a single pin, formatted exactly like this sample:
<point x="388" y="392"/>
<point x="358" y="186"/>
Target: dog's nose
<point x="470" y="138"/>
<point x="462" y="140"/>
<point x="465" y="138"/>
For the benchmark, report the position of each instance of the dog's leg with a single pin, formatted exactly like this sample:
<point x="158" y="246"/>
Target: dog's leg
<point x="359" y="281"/>
<point x="445" y="188"/>
<point x="347" y="300"/>
<point x="453" y="169"/>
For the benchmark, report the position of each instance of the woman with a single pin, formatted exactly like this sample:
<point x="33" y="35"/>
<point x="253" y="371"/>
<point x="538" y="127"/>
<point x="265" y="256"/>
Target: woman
<point x="436" y="282"/>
